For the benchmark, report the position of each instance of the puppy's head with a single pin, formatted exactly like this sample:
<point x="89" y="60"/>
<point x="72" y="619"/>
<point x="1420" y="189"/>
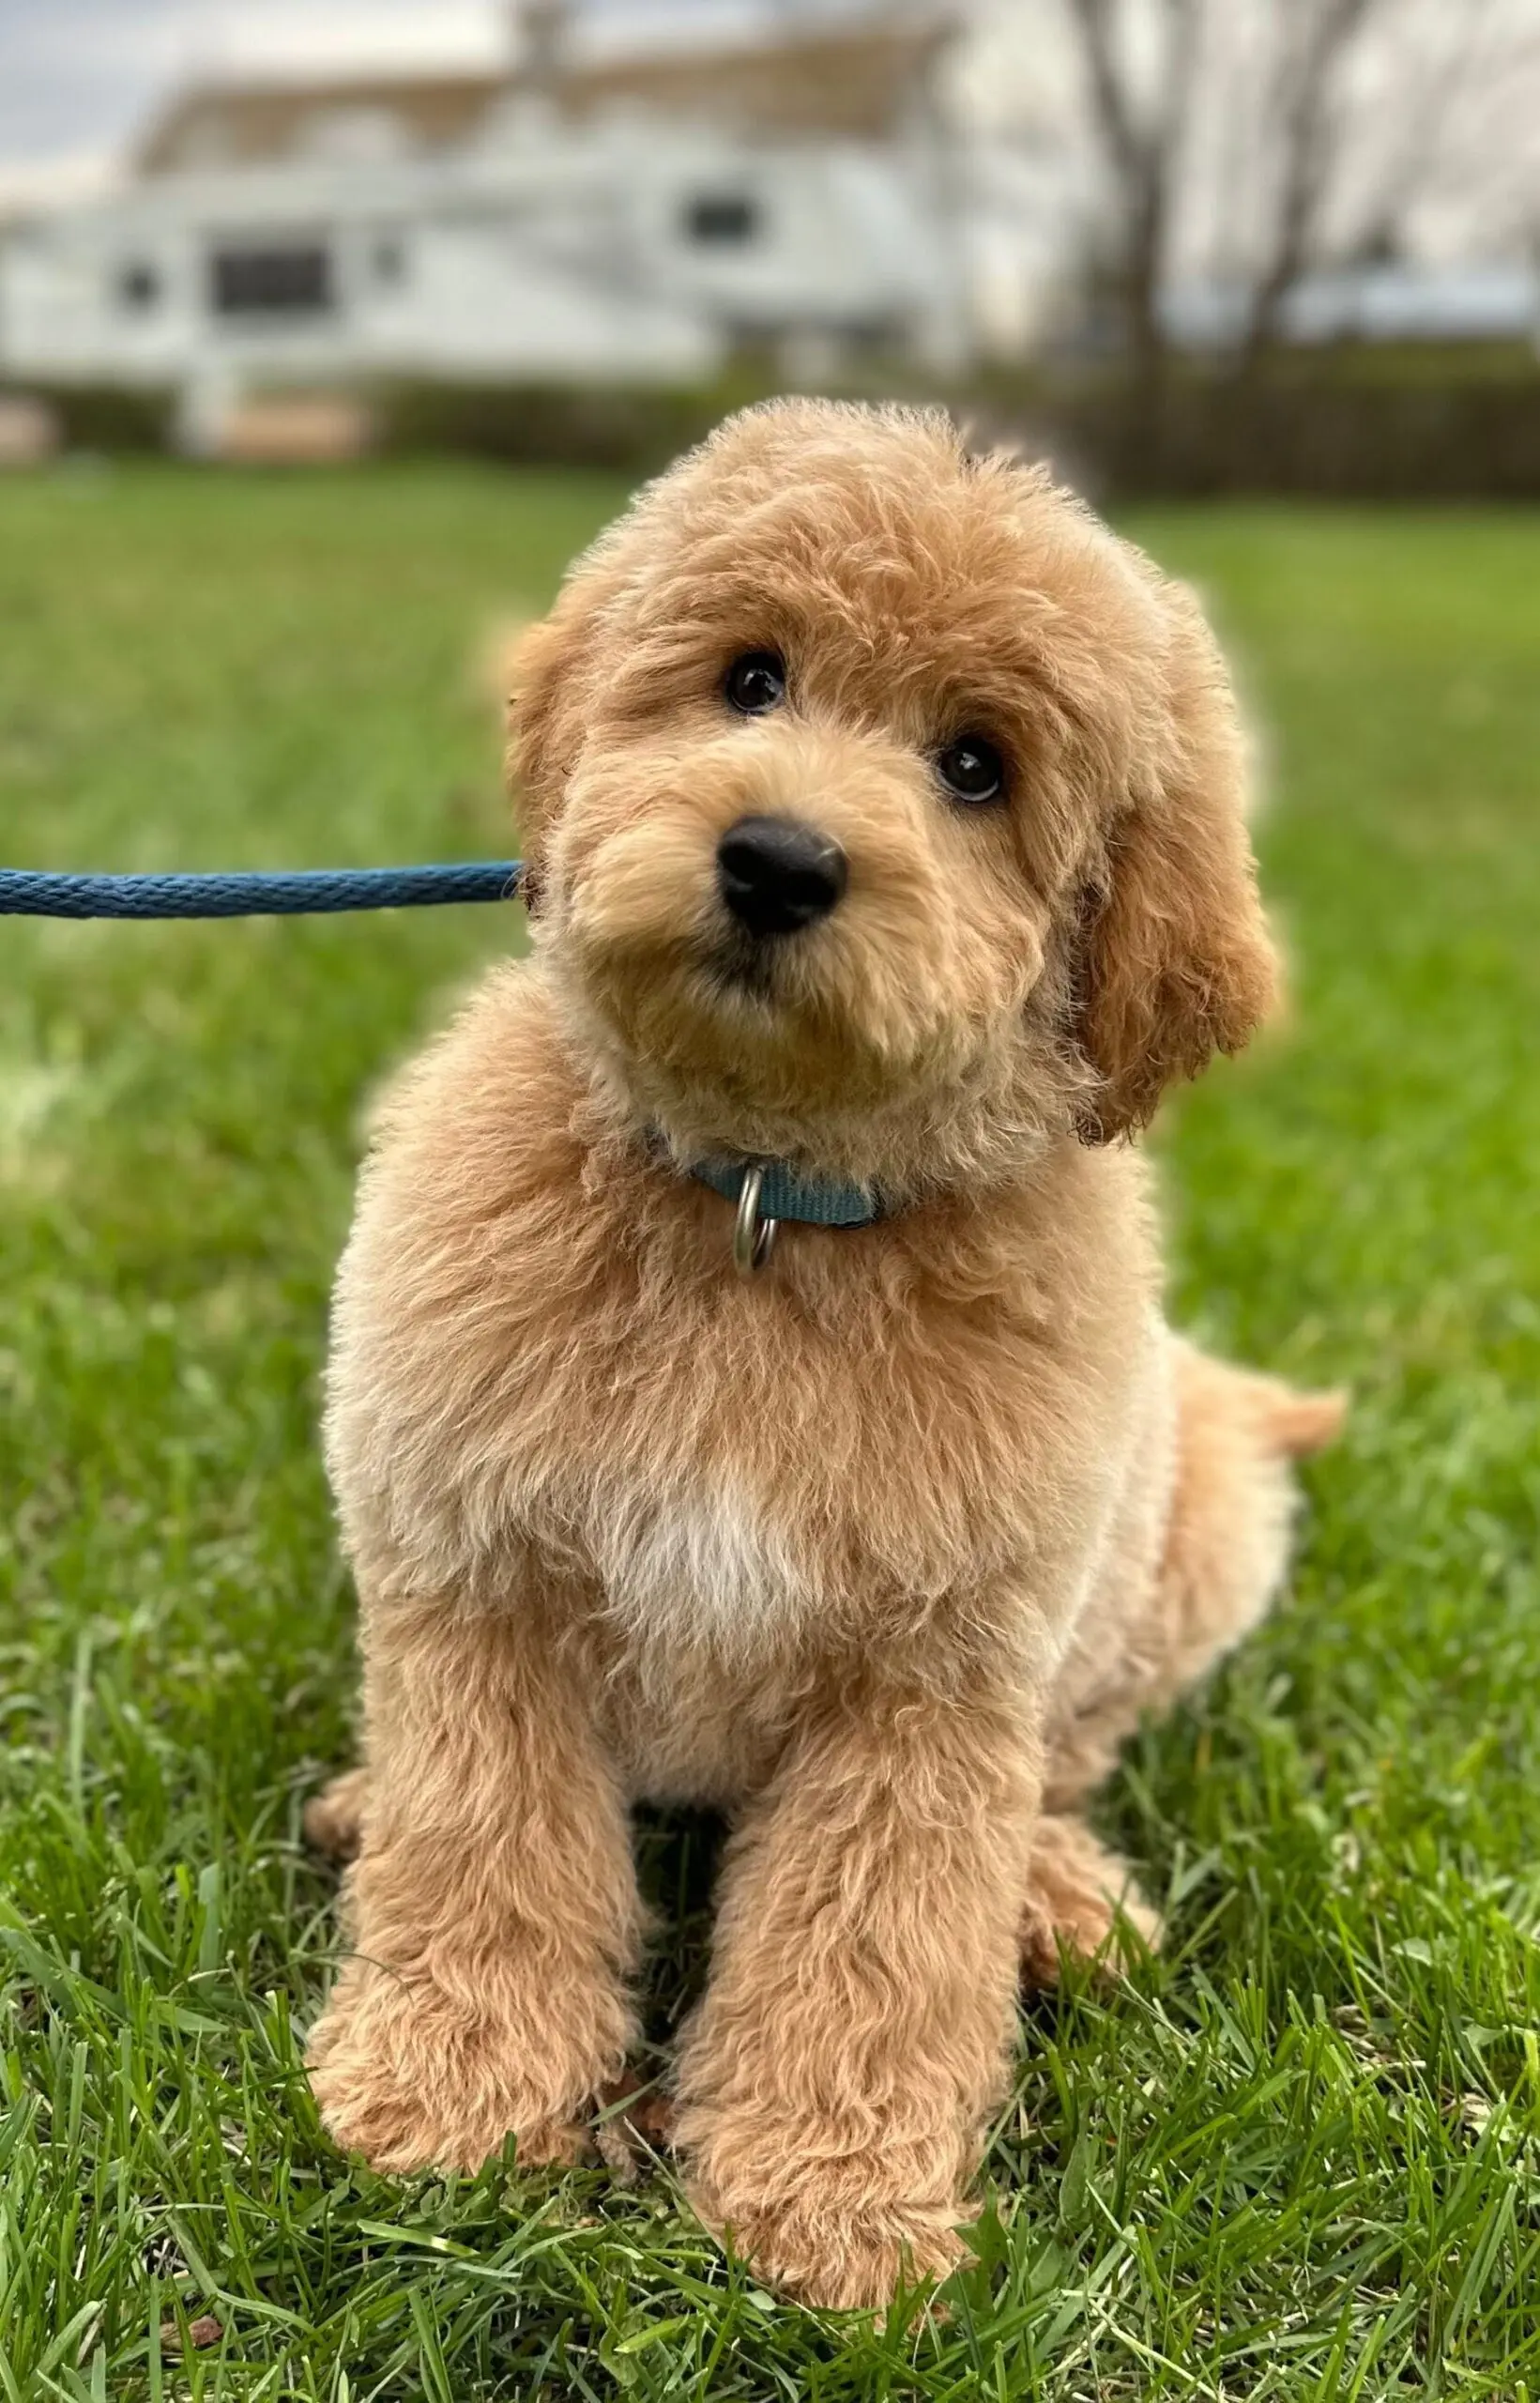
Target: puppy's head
<point x="884" y="810"/>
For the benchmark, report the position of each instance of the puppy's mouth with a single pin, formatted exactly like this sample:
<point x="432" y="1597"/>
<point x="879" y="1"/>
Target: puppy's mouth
<point x="787" y="963"/>
<point x="734" y="967"/>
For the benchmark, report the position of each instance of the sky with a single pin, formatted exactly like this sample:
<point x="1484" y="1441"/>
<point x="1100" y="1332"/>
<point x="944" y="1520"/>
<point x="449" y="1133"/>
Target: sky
<point x="77" y="77"/>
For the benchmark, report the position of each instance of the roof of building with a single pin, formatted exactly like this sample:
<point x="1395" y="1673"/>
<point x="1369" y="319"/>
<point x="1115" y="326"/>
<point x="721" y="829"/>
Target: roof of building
<point x="249" y="124"/>
<point x="856" y="82"/>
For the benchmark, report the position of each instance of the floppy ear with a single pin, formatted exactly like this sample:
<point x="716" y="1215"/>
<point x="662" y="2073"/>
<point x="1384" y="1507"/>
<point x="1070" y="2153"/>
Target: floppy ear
<point x="531" y="759"/>
<point x="551" y="669"/>
<point x="1176" y="963"/>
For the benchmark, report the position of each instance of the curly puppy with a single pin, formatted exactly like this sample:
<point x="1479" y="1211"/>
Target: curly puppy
<point x="884" y="814"/>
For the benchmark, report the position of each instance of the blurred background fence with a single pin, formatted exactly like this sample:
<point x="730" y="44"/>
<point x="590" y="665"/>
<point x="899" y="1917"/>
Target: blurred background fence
<point x="1424" y="430"/>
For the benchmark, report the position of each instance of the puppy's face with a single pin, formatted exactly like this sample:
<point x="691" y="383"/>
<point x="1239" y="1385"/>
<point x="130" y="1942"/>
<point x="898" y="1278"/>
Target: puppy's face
<point x="880" y="801"/>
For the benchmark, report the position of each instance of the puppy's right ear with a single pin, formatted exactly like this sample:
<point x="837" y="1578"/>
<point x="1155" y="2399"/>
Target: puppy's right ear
<point x="552" y="670"/>
<point x="542" y="737"/>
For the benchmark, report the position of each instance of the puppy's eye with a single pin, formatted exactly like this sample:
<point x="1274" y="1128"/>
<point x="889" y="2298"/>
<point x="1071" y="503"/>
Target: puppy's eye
<point x="971" y="769"/>
<point x="757" y="683"/>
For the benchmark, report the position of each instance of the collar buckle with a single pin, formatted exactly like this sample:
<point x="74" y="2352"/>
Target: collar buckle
<point x="753" y="1237"/>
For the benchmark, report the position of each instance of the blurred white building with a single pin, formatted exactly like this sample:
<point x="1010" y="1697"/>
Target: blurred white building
<point x="603" y="218"/>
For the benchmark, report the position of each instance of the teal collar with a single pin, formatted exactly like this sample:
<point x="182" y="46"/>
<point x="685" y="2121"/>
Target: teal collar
<point x="812" y="1200"/>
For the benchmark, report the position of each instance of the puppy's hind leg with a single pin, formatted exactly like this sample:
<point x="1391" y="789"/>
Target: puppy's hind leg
<point x="1221" y="1560"/>
<point x="333" y="1819"/>
<point x="1080" y="1897"/>
<point x="1234" y="1504"/>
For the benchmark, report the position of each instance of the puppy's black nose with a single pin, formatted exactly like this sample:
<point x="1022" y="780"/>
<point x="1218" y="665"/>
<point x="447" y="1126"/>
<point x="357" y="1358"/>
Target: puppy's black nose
<point x="775" y="874"/>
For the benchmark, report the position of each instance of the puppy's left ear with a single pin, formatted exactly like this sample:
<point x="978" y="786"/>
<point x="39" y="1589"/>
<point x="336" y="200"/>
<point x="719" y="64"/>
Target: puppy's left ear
<point x="1176" y="963"/>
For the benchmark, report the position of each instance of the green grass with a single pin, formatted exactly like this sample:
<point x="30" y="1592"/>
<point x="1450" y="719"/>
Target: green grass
<point x="1300" y="2156"/>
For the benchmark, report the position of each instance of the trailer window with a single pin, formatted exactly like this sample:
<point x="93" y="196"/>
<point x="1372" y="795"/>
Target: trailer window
<point x="721" y="217"/>
<point x="138" y="285"/>
<point x="270" y="281"/>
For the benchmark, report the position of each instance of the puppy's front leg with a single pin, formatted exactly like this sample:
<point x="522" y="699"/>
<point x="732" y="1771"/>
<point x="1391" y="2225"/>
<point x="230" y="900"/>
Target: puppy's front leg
<point x="493" y="1907"/>
<point x="857" y="2025"/>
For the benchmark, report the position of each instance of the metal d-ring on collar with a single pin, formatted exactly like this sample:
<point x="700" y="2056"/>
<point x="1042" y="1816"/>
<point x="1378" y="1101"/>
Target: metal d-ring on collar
<point x="764" y="1193"/>
<point x="754" y="1237"/>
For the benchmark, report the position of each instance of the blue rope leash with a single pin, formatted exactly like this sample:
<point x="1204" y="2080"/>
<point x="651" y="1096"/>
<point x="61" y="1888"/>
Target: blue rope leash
<point x="27" y="892"/>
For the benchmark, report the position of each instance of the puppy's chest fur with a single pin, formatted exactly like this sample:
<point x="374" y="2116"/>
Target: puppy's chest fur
<point x="536" y="1362"/>
<point x="727" y="1474"/>
<point x="726" y="1493"/>
<point x="698" y="1562"/>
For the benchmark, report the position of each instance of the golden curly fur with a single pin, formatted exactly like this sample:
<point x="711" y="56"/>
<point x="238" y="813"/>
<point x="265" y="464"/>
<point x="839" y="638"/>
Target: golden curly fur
<point x="885" y="1550"/>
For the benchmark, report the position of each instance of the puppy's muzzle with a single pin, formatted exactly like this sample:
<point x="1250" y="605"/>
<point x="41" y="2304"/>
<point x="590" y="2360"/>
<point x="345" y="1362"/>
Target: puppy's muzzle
<point x="777" y="875"/>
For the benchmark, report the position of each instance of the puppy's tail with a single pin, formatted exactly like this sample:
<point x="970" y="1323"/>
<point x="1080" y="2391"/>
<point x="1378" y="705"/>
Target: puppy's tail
<point x="1296" y="1424"/>
<point x="1274" y="1420"/>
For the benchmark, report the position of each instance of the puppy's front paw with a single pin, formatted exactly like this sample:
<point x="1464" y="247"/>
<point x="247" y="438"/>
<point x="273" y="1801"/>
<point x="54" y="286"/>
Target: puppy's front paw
<point x="823" y="2249"/>
<point x="404" y="2077"/>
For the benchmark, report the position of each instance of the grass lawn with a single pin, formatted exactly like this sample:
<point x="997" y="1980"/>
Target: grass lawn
<point x="1299" y="2156"/>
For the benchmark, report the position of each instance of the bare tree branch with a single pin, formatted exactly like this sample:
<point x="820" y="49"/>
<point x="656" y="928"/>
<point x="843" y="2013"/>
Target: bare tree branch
<point x="1114" y="108"/>
<point x="1143" y="154"/>
<point x="1308" y="115"/>
<point x="1432" y="91"/>
<point x="1470" y="128"/>
<point x="1338" y="117"/>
